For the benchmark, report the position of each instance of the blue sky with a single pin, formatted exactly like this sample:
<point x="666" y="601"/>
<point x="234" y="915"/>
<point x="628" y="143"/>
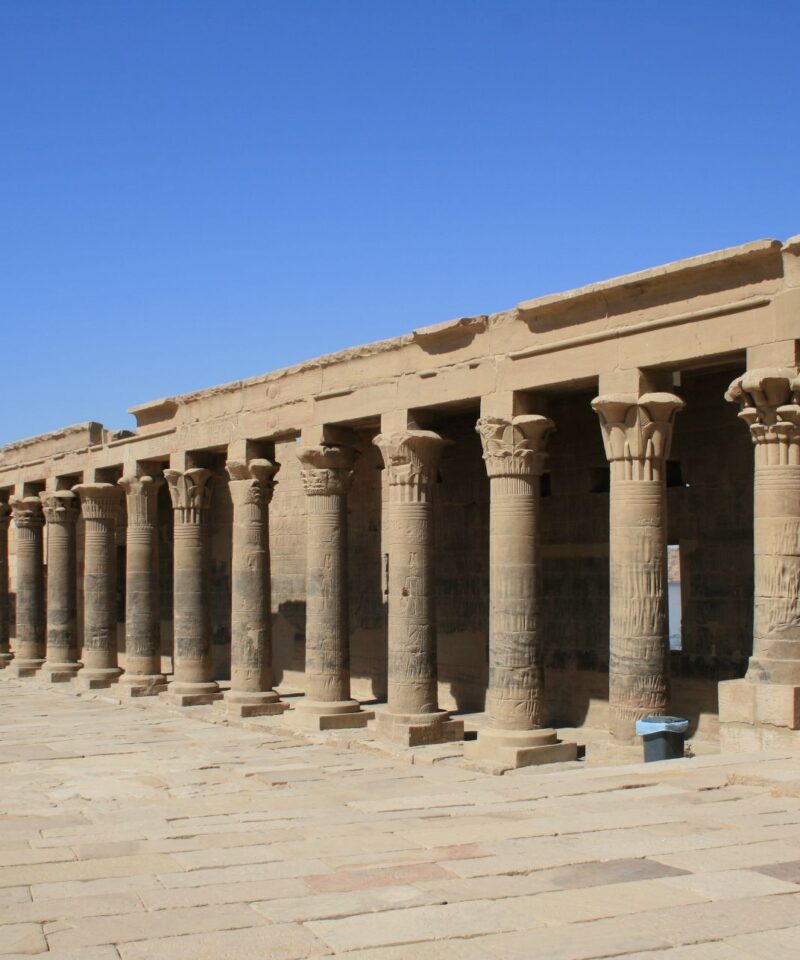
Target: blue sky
<point x="195" y="192"/>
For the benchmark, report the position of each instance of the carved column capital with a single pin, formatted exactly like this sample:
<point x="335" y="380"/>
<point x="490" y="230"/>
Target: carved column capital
<point x="141" y="497"/>
<point x="411" y="458"/>
<point x="190" y="493"/>
<point x="637" y="432"/>
<point x="252" y="481"/>
<point x="514" y="446"/>
<point x="769" y="403"/>
<point x="60" y="506"/>
<point x="326" y="470"/>
<point x="27" y="512"/>
<point x="99" y="501"/>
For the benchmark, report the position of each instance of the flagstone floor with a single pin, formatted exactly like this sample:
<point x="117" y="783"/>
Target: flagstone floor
<point x="129" y="830"/>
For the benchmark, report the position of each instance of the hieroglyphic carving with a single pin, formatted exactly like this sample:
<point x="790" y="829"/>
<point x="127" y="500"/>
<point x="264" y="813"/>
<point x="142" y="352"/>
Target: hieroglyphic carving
<point x="30" y="641"/>
<point x="100" y="505"/>
<point x="327" y="476"/>
<point x="190" y="492"/>
<point x="5" y="650"/>
<point x="61" y="510"/>
<point x="411" y="460"/>
<point x="251" y="484"/>
<point x="637" y="433"/>
<point x="769" y="401"/>
<point x="142" y="615"/>
<point x="514" y="453"/>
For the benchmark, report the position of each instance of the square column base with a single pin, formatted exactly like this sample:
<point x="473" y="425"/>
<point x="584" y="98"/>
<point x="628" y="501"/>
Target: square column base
<point x="318" y="715"/>
<point x="179" y="694"/>
<point x="95" y="680"/>
<point x="612" y="753"/>
<point x="22" y="669"/>
<point x="419" y="730"/>
<point x="60" y="672"/>
<point x="518" y="748"/>
<point x="141" y="686"/>
<point x="758" y="716"/>
<point x="5" y="660"/>
<point x="240" y="705"/>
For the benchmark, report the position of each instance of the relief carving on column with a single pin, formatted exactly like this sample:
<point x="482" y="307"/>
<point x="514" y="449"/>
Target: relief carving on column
<point x="141" y="494"/>
<point x="326" y="470"/>
<point x="27" y="512"/>
<point x="769" y="401"/>
<point x="60" y="506"/>
<point x="190" y="492"/>
<point x="411" y="458"/>
<point x="637" y="432"/>
<point x="252" y="481"/>
<point x="515" y="447"/>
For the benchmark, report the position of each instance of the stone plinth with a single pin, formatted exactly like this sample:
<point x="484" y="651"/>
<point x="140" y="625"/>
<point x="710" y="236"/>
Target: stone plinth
<point x="251" y="485"/>
<point x="61" y="510"/>
<point x="413" y="716"/>
<point x="514" y="453"/>
<point x="30" y="640"/>
<point x="761" y="711"/>
<point x="192" y="682"/>
<point x="5" y="650"/>
<point x="637" y="433"/>
<point x="100" y="505"/>
<point x="327" y="475"/>
<point x="143" y="676"/>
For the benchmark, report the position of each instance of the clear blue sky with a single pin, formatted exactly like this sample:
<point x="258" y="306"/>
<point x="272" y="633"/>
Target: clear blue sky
<point x="195" y="192"/>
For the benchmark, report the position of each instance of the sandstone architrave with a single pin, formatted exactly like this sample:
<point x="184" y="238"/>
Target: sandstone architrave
<point x="251" y="485"/>
<point x="327" y="477"/>
<point x="192" y="683"/>
<point x="516" y="733"/>
<point x="30" y="640"/>
<point x="769" y="402"/>
<point x="412" y="716"/>
<point x="143" y="675"/>
<point x="61" y="511"/>
<point x="100" y="506"/>
<point x="637" y="433"/>
<point x="6" y="656"/>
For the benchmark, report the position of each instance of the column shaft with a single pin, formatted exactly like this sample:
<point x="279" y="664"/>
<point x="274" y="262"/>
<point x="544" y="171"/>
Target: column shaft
<point x="100" y="504"/>
<point x="61" y="511"/>
<point x="143" y="674"/>
<point x="30" y="637"/>
<point x="5" y="649"/>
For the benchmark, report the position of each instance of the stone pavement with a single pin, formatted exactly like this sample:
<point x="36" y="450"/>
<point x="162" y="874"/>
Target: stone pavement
<point x="130" y="830"/>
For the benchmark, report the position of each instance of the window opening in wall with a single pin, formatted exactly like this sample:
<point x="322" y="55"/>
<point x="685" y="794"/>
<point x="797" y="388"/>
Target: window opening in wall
<point x="545" y="487"/>
<point x="674" y="605"/>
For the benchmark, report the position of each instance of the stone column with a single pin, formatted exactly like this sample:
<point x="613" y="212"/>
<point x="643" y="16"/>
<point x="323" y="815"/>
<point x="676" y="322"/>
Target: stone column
<point x="30" y="639"/>
<point x="61" y="511"/>
<point x="143" y="676"/>
<point x="6" y="656"/>
<point x="192" y="665"/>
<point x="327" y="474"/>
<point x="100" y="505"/>
<point x="769" y="697"/>
<point x="412" y="716"/>
<point x="251" y="486"/>
<point x="637" y="432"/>
<point x="516" y="733"/>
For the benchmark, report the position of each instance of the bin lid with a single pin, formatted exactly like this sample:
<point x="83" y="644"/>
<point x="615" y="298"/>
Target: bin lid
<point x="660" y="725"/>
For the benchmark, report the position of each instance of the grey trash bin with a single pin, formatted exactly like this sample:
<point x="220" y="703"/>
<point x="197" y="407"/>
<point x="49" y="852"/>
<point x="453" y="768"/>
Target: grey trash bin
<point x="663" y="737"/>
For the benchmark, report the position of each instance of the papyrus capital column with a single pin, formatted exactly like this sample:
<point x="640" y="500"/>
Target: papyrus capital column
<point x="769" y="401"/>
<point x="190" y="492"/>
<point x="251" y="484"/>
<point x="327" y="476"/>
<point x="412" y="715"/>
<point x="30" y="639"/>
<point x="61" y="511"/>
<point x="143" y="675"/>
<point x="515" y="458"/>
<point x="637" y="433"/>
<point x="5" y="649"/>
<point x="100" y="505"/>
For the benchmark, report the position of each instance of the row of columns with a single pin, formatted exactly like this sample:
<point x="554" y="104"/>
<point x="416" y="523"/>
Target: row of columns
<point x="636" y="430"/>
